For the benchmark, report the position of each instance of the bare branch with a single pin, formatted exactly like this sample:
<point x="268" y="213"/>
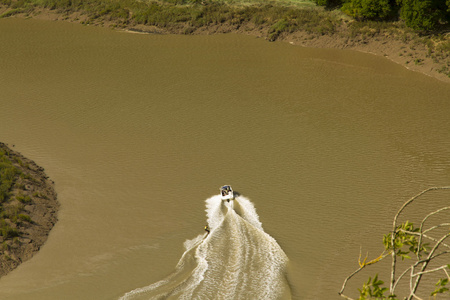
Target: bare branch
<point x="362" y="265"/>
<point x="437" y="255"/>
<point x="433" y="213"/>
<point x="437" y="226"/>
<point x="416" y="297"/>
<point x="432" y="271"/>
<point x="399" y="278"/>
<point x="422" y="264"/>
<point x="423" y="222"/>
<point x="425" y="264"/>
<point x="414" y="198"/>
<point x="424" y="235"/>
<point x="346" y="297"/>
<point x="394" y="227"/>
<point x="345" y="282"/>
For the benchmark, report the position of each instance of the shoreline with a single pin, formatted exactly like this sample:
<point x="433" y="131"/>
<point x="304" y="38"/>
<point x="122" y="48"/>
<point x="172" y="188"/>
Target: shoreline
<point x="409" y="52"/>
<point x="30" y="211"/>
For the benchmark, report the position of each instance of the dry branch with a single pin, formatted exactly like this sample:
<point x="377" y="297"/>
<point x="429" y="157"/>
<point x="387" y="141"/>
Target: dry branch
<point x="406" y="234"/>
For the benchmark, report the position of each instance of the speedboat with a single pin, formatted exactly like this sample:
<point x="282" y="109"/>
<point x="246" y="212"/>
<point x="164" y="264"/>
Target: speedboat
<point x="226" y="193"/>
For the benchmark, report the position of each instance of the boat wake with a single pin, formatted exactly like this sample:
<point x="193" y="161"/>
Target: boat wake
<point x="236" y="260"/>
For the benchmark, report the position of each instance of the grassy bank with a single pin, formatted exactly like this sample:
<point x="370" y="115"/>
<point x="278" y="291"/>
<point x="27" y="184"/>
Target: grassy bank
<point x="276" y="20"/>
<point x="12" y="200"/>
<point x="189" y="15"/>
<point x="27" y="208"/>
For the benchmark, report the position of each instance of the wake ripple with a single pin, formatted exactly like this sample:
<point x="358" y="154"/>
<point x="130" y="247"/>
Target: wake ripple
<point x="237" y="260"/>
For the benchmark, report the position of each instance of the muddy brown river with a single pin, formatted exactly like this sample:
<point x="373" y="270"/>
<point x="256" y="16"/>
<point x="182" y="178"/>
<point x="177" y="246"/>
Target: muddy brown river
<point x="137" y="131"/>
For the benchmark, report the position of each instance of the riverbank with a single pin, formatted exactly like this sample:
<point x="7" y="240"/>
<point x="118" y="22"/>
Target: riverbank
<point x="306" y="26"/>
<point x="28" y="208"/>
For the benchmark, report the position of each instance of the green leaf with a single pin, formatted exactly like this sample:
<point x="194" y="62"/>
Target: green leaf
<point x="440" y="287"/>
<point x="372" y="289"/>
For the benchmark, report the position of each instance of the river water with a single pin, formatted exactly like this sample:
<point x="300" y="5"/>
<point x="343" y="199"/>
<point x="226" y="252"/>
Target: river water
<point x="140" y="131"/>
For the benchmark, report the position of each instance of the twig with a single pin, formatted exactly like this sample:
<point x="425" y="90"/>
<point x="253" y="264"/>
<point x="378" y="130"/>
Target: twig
<point x="425" y="264"/>
<point x="394" y="282"/>
<point x="423" y="222"/>
<point x="417" y="297"/>
<point x="399" y="278"/>
<point x="431" y="271"/>
<point x="394" y="227"/>
<point x="345" y="283"/>
<point x="424" y="235"/>
<point x="361" y="266"/>
<point x="437" y="226"/>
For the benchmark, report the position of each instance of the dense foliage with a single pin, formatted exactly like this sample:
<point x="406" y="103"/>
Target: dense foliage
<point x="370" y="9"/>
<point x="417" y="14"/>
<point x="329" y="3"/>
<point x="425" y="14"/>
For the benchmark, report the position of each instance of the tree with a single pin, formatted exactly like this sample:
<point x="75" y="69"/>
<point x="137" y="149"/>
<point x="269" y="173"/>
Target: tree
<point x="421" y="245"/>
<point x="369" y="9"/>
<point x="424" y="14"/>
<point x="330" y="3"/>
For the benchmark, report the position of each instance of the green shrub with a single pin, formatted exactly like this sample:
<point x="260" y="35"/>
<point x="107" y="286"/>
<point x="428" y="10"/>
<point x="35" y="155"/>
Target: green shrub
<point x="5" y="246"/>
<point x="5" y="2"/>
<point x="23" y="198"/>
<point x="24" y="217"/>
<point x="4" y="193"/>
<point x="8" y="173"/>
<point x="329" y="3"/>
<point x="424" y="14"/>
<point x="20" y="185"/>
<point x="279" y="27"/>
<point x="368" y="9"/>
<point x="7" y="232"/>
<point x="11" y="13"/>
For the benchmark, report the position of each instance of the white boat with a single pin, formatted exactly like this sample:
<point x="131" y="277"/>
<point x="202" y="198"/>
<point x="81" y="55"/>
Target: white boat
<point x="226" y="192"/>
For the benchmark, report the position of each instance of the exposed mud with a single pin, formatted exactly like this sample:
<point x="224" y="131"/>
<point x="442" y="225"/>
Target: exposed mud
<point x="42" y="209"/>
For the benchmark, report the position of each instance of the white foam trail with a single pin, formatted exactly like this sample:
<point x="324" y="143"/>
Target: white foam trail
<point x="237" y="260"/>
<point x="214" y="211"/>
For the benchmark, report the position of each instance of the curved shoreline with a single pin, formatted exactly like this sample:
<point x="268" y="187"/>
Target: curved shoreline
<point x="403" y="48"/>
<point x="38" y="212"/>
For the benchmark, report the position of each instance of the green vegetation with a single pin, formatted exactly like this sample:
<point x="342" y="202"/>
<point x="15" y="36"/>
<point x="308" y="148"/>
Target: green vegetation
<point x="425" y="14"/>
<point x="417" y="14"/>
<point x="422" y="15"/>
<point x="11" y="201"/>
<point x="173" y="14"/>
<point x="424" y="246"/>
<point x="27" y="208"/>
<point x="8" y="175"/>
<point x="280" y="16"/>
<point x="23" y="198"/>
<point x="369" y="9"/>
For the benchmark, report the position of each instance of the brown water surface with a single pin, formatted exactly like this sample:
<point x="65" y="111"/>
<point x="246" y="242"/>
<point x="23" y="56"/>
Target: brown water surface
<point x="138" y="130"/>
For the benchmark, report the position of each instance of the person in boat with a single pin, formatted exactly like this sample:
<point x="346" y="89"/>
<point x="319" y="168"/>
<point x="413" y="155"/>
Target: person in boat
<point x="226" y="193"/>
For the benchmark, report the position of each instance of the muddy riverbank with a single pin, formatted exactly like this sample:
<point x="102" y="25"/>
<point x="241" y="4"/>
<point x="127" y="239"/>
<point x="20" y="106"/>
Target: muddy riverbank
<point x="28" y="210"/>
<point x="424" y="54"/>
